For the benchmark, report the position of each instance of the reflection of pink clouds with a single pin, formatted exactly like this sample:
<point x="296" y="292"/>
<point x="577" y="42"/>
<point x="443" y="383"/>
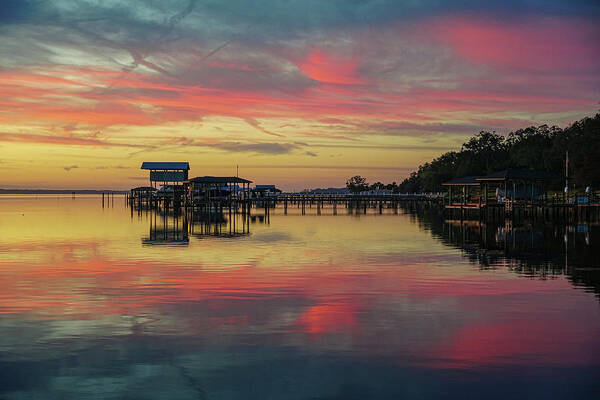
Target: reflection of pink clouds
<point x="236" y="320"/>
<point x="526" y="342"/>
<point x="549" y="45"/>
<point x="132" y="285"/>
<point x="321" y="300"/>
<point x="328" y="318"/>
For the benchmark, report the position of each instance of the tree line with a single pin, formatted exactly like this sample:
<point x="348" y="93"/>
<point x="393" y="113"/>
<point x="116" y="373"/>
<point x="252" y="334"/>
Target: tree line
<point x="540" y="148"/>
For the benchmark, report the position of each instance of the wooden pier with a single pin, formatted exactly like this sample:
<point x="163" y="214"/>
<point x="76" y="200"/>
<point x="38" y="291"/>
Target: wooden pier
<point x="505" y="195"/>
<point x="515" y="194"/>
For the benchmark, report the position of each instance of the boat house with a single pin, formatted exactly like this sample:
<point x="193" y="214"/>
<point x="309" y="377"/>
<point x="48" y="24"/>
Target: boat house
<point x="211" y="188"/>
<point x="167" y="173"/>
<point x="265" y="191"/>
<point x="506" y="187"/>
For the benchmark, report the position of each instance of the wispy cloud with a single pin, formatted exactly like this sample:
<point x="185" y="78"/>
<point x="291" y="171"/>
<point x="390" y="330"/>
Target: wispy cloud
<point x="61" y="140"/>
<point x="260" y="148"/>
<point x="254" y="123"/>
<point x="70" y="167"/>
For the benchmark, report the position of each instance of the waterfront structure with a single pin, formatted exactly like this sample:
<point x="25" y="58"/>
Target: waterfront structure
<point x="265" y="190"/>
<point x="142" y="196"/>
<point x="513" y="193"/>
<point x="507" y="187"/>
<point x="216" y="188"/>
<point x="512" y="185"/>
<point x="174" y="173"/>
<point x="463" y="187"/>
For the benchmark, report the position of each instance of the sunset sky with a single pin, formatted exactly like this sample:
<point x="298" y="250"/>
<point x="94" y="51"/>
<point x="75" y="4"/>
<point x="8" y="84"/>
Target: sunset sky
<point x="298" y="93"/>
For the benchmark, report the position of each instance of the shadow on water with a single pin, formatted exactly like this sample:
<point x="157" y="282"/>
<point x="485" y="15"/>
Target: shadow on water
<point x="167" y="229"/>
<point x="535" y="250"/>
<point x="176" y="228"/>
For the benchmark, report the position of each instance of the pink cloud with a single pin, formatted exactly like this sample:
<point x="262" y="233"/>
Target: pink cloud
<point x="547" y="45"/>
<point x="326" y="67"/>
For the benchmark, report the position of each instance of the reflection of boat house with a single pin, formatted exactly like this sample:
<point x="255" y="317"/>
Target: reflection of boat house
<point x="167" y="230"/>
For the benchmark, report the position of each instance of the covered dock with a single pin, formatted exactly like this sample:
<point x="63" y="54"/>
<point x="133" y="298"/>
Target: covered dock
<point x="211" y="188"/>
<point x="463" y="192"/>
<point x="510" y="192"/>
<point x="142" y="196"/>
<point x="510" y="186"/>
<point x="265" y="191"/>
<point x="173" y="173"/>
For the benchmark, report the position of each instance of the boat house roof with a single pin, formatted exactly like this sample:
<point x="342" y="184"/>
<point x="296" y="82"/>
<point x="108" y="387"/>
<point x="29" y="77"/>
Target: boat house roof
<point x="166" y="166"/>
<point x="218" y="180"/>
<point x="511" y="174"/>
<point x="463" y="181"/>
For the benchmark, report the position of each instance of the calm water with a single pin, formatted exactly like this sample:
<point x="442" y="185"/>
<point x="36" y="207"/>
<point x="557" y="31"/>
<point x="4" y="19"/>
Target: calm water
<point x="108" y="303"/>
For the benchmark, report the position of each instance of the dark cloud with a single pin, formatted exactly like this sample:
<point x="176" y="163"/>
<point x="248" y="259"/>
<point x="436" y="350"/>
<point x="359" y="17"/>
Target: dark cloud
<point x="310" y="153"/>
<point x="260" y="148"/>
<point x="16" y="11"/>
<point x="335" y="167"/>
<point x="252" y="122"/>
<point x="70" y="167"/>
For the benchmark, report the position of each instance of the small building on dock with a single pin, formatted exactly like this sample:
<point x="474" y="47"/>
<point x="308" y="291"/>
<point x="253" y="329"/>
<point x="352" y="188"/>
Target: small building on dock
<point x="514" y="192"/>
<point x="214" y="188"/>
<point x="143" y="192"/>
<point x="463" y="191"/>
<point x="517" y="185"/>
<point x="502" y="187"/>
<point x="265" y="191"/>
<point x="142" y="196"/>
<point x="173" y="173"/>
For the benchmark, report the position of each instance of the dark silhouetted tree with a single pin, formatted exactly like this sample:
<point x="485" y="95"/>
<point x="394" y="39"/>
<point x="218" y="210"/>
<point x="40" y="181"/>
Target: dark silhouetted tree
<point x="357" y="184"/>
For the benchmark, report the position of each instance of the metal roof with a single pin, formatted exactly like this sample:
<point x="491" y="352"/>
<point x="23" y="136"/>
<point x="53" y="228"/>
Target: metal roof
<point x="463" y="181"/>
<point x="219" y="179"/>
<point x="519" y="174"/>
<point x="166" y="165"/>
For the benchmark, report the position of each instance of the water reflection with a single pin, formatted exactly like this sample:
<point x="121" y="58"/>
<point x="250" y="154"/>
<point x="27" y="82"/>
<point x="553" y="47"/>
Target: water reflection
<point x="167" y="229"/>
<point x="229" y="224"/>
<point x="306" y="306"/>
<point x="530" y="250"/>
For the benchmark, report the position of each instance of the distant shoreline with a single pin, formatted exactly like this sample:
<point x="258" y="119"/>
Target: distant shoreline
<point x="59" y="191"/>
